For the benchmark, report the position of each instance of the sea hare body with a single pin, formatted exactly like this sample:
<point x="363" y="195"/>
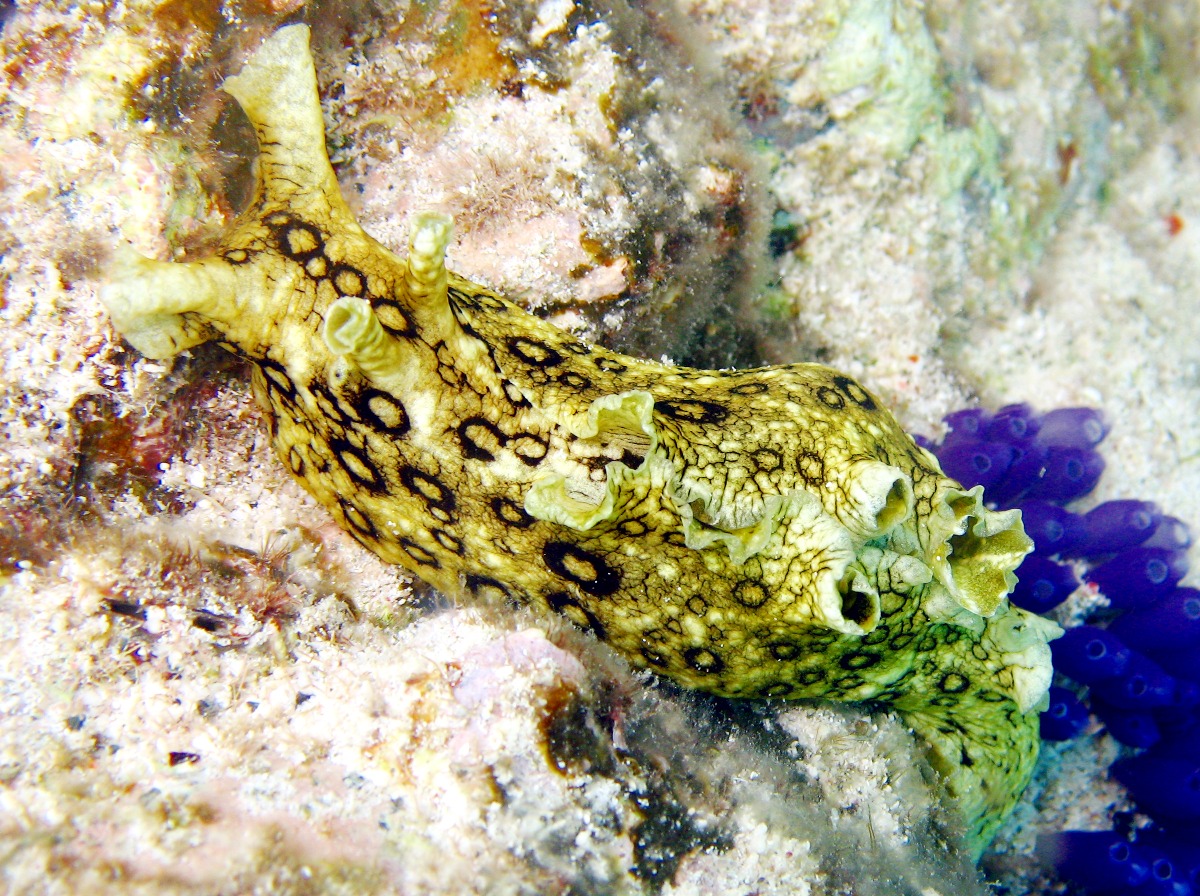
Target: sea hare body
<point x="757" y="533"/>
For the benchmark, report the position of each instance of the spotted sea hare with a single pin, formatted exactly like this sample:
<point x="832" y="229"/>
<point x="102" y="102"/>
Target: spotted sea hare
<point x="756" y="533"/>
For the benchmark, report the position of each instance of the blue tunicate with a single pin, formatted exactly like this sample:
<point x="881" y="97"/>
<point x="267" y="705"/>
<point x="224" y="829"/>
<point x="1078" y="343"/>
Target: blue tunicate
<point x="1069" y="473"/>
<point x="1139" y="576"/>
<point x="1134" y="728"/>
<point x="1164" y="788"/>
<point x="1115" y="526"/>
<point x="1066" y="716"/>
<point x="1178" y="721"/>
<point x="965" y="426"/>
<point x="1172" y="533"/>
<point x="1013" y="423"/>
<point x="1026" y="468"/>
<point x="1180" y="744"/>
<point x="1167" y="877"/>
<point x="1089" y="654"/>
<point x="1042" y="584"/>
<point x="1187" y="694"/>
<point x="1099" y="860"/>
<point x="1141" y="685"/>
<point x="1180" y="663"/>
<point x="1181" y="732"/>
<point x="1184" y="855"/>
<point x="1143" y="673"/>
<point x="1052" y="528"/>
<point x="1171" y="623"/>
<point x="976" y="463"/>
<point x="1187" y="857"/>
<point x="1072" y="427"/>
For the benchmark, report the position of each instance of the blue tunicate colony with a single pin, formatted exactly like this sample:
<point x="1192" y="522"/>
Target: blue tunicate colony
<point x="1135" y="665"/>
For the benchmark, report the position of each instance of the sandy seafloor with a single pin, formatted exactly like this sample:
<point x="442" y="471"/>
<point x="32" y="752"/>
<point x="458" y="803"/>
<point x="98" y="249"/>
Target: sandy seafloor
<point x="206" y="688"/>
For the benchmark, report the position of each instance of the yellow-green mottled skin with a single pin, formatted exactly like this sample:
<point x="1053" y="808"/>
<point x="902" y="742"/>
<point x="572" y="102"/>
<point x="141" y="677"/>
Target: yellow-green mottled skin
<point x="757" y="533"/>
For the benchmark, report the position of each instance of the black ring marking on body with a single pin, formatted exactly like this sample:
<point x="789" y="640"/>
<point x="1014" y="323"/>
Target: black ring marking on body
<point x="653" y="657"/>
<point x="529" y="447"/>
<point x="831" y="397"/>
<point x="855" y="392"/>
<point x="587" y="570"/>
<point x="296" y="461"/>
<point x="328" y="404"/>
<point x="767" y="459"/>
<point x="482" y="585"/>
<point x="418" y="553"/>
<point x="608" y="365"/>
<point x="358" y="465"/>
<point x="692" y="410"/>
<point x="394" y="318"/>
<point x="750" y="593"/>
<point x="863" y="659"/>
<point x="572" y="379"/>
<point x="451" y="543"/>
<point x="511" y="513"/>
<point x="533" y="353"/>
<point x="784" y="650"/>
<point x="704" y="660"/>
<point x="383" y="411"/>
<point x="428" y="489"/>
<point x="359" y="522"/>
<point x="954" y="683"/>
<point x="469" y="434"/>
<point x="561" y="602"/>
<point x="811" y="467"/>
<point x="298" y="240"/>
<point x="238" y="255"/>
<point x="347" y="280"/>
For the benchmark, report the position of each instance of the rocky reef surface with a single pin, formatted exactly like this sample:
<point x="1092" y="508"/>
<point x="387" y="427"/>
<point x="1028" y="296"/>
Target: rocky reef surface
<point x="208" y="688"/>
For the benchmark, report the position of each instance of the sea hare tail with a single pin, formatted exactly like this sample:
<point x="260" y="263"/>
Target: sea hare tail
<point x="985" y="760"/>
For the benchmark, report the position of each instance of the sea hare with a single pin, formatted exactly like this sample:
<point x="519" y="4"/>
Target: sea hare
<point x="753" y="533"/>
